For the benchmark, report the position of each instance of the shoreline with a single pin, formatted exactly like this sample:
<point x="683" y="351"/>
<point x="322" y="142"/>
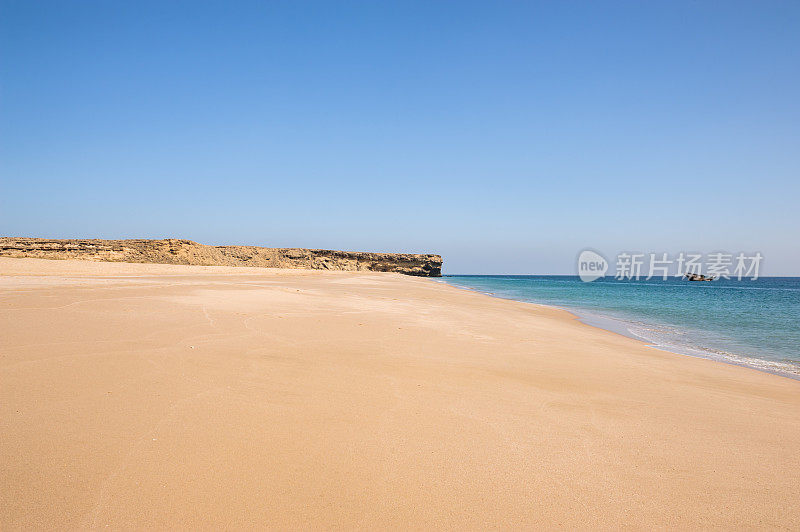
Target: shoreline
<point x="620" y="327"/>
<point x="155" y="396"/>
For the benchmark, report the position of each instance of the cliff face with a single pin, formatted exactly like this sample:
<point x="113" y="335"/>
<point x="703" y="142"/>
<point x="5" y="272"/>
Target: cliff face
<point x="174" y="251"/>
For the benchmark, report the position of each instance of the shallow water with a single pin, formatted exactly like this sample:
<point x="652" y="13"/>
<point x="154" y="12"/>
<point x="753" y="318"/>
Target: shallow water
<point x="755" y="323"/>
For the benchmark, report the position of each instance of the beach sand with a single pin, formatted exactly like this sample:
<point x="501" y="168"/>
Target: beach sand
<point x="153" y="396"/>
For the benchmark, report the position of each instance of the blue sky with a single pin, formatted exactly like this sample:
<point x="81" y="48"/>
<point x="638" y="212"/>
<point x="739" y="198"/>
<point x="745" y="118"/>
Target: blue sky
<point x="506" y="136"/>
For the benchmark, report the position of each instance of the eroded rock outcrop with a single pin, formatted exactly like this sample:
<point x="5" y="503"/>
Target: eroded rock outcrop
<point x="175" y="251"/>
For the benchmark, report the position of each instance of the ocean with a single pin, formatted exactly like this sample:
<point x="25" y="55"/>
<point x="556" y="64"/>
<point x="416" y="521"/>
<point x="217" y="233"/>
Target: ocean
<point x="751" y="323"/>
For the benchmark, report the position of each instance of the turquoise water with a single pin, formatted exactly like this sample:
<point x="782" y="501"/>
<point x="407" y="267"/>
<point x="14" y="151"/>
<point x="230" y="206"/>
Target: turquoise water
<point x="754" y="323"/>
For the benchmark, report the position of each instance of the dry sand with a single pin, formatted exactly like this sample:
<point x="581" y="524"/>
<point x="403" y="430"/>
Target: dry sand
<point x="136" y="396"/>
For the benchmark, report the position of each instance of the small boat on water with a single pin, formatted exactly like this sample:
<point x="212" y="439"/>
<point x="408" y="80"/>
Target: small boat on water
<point x="699" y="277"/>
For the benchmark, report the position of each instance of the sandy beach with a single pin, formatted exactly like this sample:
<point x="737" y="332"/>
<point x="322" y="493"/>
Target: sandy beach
<point x="155" y="396"/>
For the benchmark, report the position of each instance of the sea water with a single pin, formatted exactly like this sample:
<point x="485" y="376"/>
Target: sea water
<point x="753" y="323"/>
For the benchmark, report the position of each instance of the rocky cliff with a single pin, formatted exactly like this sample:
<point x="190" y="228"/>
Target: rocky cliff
<point x="174" y="251"/>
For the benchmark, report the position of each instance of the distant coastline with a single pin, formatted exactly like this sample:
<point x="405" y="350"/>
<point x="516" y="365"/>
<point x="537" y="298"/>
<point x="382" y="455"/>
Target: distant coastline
<point x="187" y="252"/>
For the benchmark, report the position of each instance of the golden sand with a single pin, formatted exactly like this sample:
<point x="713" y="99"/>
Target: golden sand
<point x="136" y="396"/>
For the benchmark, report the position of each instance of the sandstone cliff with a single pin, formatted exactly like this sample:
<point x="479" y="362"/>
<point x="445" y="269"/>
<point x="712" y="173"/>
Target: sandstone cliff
<point x="174" y="251"/>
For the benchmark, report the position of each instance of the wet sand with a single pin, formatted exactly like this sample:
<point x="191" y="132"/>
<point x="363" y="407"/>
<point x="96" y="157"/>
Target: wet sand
<point x="153" y="396"/>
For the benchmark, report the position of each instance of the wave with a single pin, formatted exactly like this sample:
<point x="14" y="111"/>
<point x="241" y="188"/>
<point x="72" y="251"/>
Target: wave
<point x="680" y="340"/>
<point x="666" y="337"/>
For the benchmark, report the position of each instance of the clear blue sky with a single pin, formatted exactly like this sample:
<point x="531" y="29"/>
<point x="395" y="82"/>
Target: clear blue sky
<point x="506" y="136"/>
